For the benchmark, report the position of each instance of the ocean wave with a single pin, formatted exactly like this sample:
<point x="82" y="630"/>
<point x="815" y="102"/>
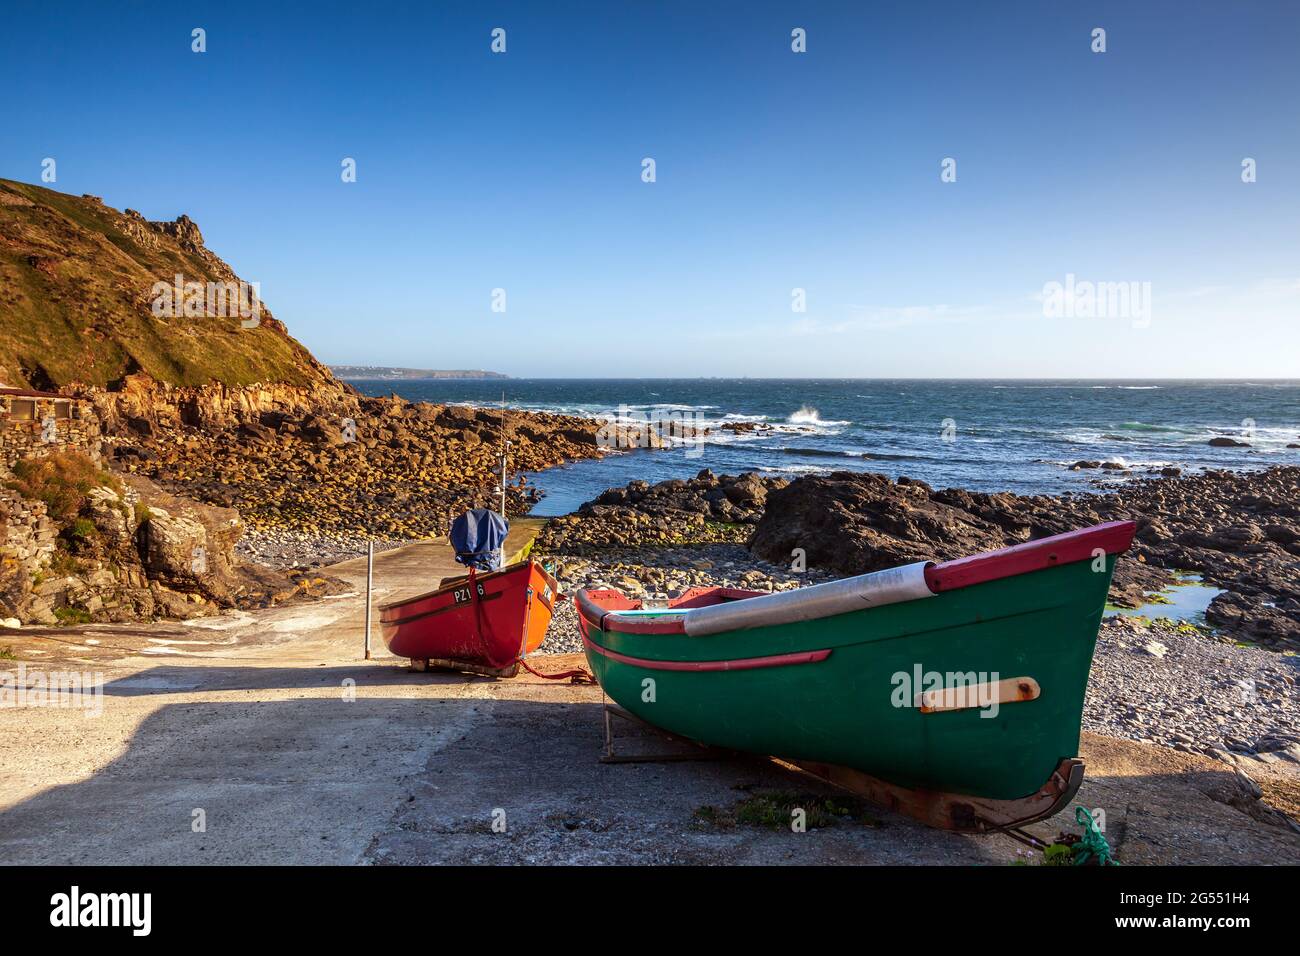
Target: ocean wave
<point x="807" y="415"/>
<point x="816" y="452"/>
<point x="673" y="407"/>
<point x="881" y="456"/>
<point x="717" y="436"/>
<point x="797" y="469"/>
<point x="1131" y="465"/>
<point x="1144" y="427"/>
<point x="856" y="455"/>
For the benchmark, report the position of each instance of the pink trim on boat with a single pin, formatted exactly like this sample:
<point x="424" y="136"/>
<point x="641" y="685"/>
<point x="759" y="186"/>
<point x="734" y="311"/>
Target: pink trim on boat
<point x="700" y="596"/>
<point x="739" y="664"/>
<point x="596" y="606"/>
<point x="1111" y="538"/>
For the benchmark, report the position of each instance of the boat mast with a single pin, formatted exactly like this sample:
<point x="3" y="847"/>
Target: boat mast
<point x="505" y="448"/>
<point x="505" y="445"/>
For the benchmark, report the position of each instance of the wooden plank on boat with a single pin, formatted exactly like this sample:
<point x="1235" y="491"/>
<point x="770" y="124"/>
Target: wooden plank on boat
<point x="435" y="663"/>
<point x="963" y="697"/>
<point x="952" y="811"/>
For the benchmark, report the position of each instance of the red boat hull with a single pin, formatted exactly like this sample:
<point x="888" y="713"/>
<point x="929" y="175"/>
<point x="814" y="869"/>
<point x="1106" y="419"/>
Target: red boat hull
<point x="482" y="623"/>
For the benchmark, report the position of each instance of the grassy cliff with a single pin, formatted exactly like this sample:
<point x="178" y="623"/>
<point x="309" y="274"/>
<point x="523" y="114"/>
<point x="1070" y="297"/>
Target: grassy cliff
<point x="76" y="281"/>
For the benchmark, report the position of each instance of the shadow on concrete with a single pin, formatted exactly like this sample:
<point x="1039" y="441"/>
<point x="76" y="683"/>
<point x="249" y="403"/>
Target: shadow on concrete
<point x="414" y="780"/>
<point x="185" y="679"/>
<point x="424" y="778"/>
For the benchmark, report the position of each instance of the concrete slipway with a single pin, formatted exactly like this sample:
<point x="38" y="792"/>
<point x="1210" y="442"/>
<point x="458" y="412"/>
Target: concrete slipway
<point x="272" y="729"/>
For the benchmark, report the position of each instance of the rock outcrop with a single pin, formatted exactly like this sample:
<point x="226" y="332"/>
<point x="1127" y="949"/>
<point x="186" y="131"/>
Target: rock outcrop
<point x="1239" y="531"/>
<point x="121" y="549"/>
<point x="703" y="509"/>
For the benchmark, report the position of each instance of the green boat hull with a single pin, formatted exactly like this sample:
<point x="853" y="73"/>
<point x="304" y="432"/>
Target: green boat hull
<point x="855" y="707"/>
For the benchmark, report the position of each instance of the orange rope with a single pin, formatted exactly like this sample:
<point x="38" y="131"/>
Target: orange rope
<point x="578" y="676"/>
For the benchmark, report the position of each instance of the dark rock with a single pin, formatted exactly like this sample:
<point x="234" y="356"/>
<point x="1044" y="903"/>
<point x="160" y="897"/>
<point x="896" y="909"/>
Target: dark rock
<point x="1239" y="531"/>
<point x="705" y="509"/>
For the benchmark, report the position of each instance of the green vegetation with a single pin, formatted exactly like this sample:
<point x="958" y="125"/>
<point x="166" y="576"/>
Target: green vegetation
<point x="1058" y="854"/>
<point x="7" y="653"/>
<point x="142" y="513"/>
<point x="64" y="564"/>
<point x="81" y="536"/>
<point x="775" y="809"/>
<point x="1189" y="628"/>
<point x="81" y="529"/>
<point x="1054" y="854"/>
<point x="62" y="481"/>
<point x="75" y="294"/>
<point x="72" y="615"/>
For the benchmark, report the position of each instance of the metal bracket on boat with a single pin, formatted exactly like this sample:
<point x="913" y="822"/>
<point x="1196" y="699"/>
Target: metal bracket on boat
<point x="955" y="811"/>
<point x="695" y="751"/>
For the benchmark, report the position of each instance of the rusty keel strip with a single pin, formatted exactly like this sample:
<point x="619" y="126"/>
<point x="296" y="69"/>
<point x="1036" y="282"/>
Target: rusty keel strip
<point x="954" y="811"/>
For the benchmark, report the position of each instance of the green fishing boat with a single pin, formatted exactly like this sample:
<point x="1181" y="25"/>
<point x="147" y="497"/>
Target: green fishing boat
<point x="952" y="692"/>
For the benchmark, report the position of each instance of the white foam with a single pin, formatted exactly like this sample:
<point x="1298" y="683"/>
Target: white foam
<point x="807" y="415"/>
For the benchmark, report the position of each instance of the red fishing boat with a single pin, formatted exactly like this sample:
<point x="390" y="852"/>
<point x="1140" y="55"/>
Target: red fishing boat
<point x="482" y="623"/>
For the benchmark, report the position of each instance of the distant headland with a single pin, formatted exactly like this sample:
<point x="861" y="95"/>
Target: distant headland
<point x="347" y="372"/>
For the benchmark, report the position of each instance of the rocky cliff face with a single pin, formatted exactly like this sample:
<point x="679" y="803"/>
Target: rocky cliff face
<point x="140" y="404"/>
<point x="77" y="302"/>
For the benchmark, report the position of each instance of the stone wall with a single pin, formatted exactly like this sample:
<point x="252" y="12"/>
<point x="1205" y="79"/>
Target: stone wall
<point x="27" y="542"/>
<point x="46" y="431"/>
<point x="26" y="532"/>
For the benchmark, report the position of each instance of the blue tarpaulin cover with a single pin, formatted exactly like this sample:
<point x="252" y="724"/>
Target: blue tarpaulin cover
<point x="477" y="537"/>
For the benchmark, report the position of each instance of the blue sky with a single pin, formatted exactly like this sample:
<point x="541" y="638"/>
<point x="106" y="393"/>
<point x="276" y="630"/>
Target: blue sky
<point x="775" y="171"/>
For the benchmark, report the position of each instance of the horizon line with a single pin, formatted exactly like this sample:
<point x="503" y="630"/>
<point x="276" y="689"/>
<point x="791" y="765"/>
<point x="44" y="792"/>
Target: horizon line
<point x="834" y="378"/>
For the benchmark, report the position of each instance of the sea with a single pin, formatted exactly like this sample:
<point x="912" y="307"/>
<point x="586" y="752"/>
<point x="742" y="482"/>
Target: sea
<point x="1014" y="435"/>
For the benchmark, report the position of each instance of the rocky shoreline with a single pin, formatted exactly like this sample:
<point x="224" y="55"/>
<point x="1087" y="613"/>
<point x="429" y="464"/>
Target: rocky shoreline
<point x="332" y="465"/>
<point x="1238" y="531"/>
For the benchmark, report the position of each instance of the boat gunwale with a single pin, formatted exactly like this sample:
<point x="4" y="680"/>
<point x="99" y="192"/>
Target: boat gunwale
<point x="462" y="579"/>
<point x="1112" y="537"/>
